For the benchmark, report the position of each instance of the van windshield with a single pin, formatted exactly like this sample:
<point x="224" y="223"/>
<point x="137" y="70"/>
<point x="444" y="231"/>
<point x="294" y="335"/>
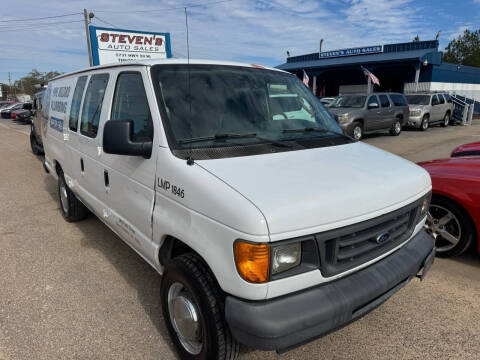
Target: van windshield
<point x="209" y="106"/>
<point x="418" y="99"/>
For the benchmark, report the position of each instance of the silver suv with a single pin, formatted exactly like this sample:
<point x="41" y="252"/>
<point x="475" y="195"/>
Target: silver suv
<point x="429" y="108"/>
<point x="358" y="114"/>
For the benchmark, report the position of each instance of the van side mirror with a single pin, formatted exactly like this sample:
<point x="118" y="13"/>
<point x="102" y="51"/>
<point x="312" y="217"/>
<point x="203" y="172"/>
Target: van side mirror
<point x="373" y="106"/>
<point x="117" y="139"/>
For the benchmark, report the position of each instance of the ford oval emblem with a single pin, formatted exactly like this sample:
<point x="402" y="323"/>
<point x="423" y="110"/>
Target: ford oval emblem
<point x="383" y="238"/>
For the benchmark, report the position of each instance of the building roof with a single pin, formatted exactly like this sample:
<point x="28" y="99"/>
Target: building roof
<point x="412" y="51"/>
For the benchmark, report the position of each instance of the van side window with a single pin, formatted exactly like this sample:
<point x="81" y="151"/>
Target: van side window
<point x="441" y="99"/>
<point x="384" y="101"/>
<point x="92" y="104"/>
<point x="76" y="101"/>
<point x="130" y="103"/>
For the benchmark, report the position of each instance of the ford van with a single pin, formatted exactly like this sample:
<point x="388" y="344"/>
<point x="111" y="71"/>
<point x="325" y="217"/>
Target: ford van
<point x="270" y="227"/>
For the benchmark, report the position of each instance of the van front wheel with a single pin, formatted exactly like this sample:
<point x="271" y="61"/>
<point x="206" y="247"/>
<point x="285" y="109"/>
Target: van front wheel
<point x="193" y="308"/>
<point x="72" y="208"/>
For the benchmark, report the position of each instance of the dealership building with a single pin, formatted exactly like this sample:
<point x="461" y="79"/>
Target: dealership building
<point x="403" y="67"/>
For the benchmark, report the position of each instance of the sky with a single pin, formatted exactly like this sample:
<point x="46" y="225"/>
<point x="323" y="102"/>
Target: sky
<point x="252" y="31"/>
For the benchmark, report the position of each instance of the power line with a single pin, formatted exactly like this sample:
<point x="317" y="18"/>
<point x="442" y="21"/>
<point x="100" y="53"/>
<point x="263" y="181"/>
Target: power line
<point x="104" y="21"/>
<point x="40" y="25"/>
<point x="42" y="18"/>
<point x="164" y="9"/>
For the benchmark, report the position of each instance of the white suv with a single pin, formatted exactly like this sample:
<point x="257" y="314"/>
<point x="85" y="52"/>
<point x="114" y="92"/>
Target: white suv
<point x="270" y="227"/>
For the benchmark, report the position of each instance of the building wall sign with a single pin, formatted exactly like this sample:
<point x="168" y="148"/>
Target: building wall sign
<point x="353" y="51"/>
<point x="117" y="45"/>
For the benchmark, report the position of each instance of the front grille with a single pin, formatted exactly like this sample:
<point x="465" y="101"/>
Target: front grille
<point x="348" y="247"/>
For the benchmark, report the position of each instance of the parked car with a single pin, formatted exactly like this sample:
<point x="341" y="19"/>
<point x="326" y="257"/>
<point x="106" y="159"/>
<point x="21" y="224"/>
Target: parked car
<point x="359" y="114"/>
<point x="245" y="206"/>
<point x="429" y="108"/>
<point x="24" y="114"/>
<point x="326" y="100"/>
<point x="6" y="111"/>
<point x="5" y="103"/>
<point x="454" y="219"/>
<point x="39" y="118"/>
<point x="467" y="150"/>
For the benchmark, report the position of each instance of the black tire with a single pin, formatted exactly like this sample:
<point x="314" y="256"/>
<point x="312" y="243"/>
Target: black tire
<point x="36" y="149"/>
<point x="357" y="131"/>
<point x="446" y="120"/>
<point x="192" y="273"/>
<point x="467" y="229"/>
<point x="396" y="128"/>
<point x="73" y="209"/>
<point x="425" y="123"/>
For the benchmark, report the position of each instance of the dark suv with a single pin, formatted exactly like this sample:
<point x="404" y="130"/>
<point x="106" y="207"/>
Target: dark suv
<point x="358" y="114"/>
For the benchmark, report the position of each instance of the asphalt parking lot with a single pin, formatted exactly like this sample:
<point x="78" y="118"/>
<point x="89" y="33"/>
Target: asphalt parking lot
<point x="76" y="291"/>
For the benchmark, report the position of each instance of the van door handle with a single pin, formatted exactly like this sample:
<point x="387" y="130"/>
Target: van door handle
<point x="106" y="179"/>
<point x="82" y="166"/>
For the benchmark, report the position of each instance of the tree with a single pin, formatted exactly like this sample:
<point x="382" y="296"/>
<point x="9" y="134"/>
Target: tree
<point x="416" y="39"/>
<point x="27" y="83"/>
<point x="464" y="50"/>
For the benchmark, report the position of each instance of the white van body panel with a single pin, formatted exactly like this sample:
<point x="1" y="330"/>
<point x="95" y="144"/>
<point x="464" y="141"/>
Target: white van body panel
<point x="260" y="198"/>
<point x="300" y="191"/>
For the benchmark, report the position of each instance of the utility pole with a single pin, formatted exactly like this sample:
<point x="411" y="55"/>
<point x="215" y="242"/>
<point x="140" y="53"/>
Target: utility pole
<point x="86" y="17"/>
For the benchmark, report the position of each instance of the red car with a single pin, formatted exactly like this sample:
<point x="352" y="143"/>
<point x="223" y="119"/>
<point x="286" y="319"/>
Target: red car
<point x="467" y="150"/>
<point x="454" y="219"/>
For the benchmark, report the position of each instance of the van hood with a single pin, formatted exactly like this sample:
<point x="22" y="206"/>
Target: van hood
<point x="303" y="189"/>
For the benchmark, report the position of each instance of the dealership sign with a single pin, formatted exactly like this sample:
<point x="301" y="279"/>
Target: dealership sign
<point x="354" y="51"/>
<point x="117" y="45"/>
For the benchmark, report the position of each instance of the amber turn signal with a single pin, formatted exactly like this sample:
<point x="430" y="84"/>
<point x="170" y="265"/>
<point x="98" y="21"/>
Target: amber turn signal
<point x="253" y="261"/>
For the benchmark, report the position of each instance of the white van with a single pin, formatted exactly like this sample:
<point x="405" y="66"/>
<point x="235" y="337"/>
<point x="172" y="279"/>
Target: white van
<point x="270" y="226"/>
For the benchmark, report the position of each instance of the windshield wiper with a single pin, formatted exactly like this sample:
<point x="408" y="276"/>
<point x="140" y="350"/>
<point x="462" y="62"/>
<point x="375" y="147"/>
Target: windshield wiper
<point x="314" y="129"/>
<point x="233" y="136"/>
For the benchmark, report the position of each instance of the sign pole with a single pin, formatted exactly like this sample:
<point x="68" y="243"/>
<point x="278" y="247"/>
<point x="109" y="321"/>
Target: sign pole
<point x="85" y="17"/>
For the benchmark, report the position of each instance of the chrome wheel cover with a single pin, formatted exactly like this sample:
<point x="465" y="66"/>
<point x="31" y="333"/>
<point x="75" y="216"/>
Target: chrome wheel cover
<point x="425" y="124"/>
<point x="357" y="132"/>
<point x="64" y="197"/>
<point x="445" y="228"/>
<point x="446" y="120"/>
<point x="398" y="127"/>
<point x="185" y="318"/>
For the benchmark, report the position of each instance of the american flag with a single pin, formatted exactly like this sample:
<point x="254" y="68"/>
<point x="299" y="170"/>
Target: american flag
<point x="305" y="79"/>
<point x="371" y="76"/>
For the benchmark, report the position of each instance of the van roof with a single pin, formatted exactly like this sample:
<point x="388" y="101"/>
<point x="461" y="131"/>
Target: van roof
<point x="163" y="62"/>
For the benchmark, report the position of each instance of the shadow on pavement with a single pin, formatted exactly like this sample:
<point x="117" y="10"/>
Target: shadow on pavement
<point x="137" y="273"/>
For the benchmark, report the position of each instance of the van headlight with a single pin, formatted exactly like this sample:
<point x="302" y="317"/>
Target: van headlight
<point x="343" y="119"/>
<point x="415" y="112"/>
<point x="263" y="262"/>
<point x="286" y="257"/>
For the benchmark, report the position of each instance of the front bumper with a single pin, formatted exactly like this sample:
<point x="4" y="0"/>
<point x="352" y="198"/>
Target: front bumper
<point x="292" y="320"/>
<point x="415" y="120"/>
